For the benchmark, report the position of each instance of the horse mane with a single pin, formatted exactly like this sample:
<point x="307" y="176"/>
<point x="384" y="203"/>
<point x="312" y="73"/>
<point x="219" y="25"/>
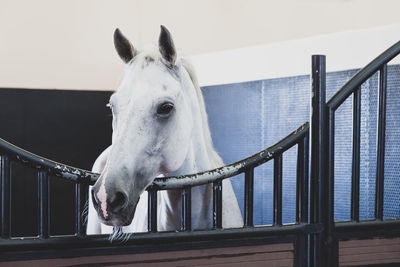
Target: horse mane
<point x="215" y="158"/>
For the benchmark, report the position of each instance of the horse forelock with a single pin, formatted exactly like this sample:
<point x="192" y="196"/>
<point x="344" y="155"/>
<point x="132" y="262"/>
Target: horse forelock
<point x="148" y="56"/>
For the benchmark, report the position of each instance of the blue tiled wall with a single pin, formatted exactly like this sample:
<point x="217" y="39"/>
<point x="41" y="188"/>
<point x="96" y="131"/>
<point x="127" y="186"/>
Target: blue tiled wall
<point x="248" y="117"/>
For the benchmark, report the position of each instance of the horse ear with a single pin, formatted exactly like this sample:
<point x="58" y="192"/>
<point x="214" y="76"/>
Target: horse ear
<point x="166" y="46"/>
<point x="123" y="46"/>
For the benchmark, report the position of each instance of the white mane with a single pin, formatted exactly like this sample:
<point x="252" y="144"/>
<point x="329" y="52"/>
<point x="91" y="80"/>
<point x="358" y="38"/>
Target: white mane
<point x="215" y="158"/>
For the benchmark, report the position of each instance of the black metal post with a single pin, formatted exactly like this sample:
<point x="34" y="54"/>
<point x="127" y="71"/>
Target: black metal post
<point x="277" y="190"/>
<point x="248" y="197"/>
<point x="217" y="205"/>
<point x="380" y="144"/>
<point x="81" y="198"/>
<point x="322" y="245"/>
<point x="186" y="217"/>
<point x="44" y="204"/>
<point x="152" y="211"/>
<point x="355" y="187"/>
<point x="5" y="197"/>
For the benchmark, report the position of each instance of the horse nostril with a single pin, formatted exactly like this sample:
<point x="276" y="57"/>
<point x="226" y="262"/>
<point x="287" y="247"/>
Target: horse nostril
<point x="95" y="199"/>
<point x="117" y="201"/>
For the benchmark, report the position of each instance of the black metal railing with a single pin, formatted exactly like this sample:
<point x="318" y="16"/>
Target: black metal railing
<point x="47" y="169"/>
<point x="299" y="137"/>
<point x="335" y="231"/>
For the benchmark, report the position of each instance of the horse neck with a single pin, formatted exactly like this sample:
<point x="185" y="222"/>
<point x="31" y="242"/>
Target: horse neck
<point x="201" y="157"/>
<point x="197" y="160"/>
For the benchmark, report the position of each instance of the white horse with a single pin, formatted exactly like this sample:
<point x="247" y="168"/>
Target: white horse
<point x="160" y="127"/>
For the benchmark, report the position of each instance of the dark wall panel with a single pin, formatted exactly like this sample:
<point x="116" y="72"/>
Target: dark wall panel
<point x="71" y="127"/>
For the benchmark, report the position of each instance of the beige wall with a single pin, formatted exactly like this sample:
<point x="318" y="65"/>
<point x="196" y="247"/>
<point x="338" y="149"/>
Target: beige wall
<point x="68" y="43"/>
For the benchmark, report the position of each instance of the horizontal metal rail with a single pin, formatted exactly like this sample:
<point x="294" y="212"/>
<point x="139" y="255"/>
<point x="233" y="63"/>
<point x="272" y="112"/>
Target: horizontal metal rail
<point x="233" y="169"/>
<point x="51" y="167"/>
<point x="173" y="182"/>
<point x="367" y="229"/>
<point x="32" y="243"/>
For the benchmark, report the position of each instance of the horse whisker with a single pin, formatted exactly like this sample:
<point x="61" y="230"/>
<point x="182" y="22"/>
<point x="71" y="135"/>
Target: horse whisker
<point x="85" y="213"/>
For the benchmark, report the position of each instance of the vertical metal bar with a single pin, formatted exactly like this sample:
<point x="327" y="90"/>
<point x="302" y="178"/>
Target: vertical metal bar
<point x="81" y="198"/>
<point x="278" y="190"/>
<point x="301" y="256"/>
<point x="333" y="245"/>
<point x="321" y="244"/>
<point x="152" y="211"/>
<point x="217" y="205"/>
<point x="248" y="197"/>
<point x="380" y="144"/>
<point x="355" y="187"/>
<point x="186" y="215"/>
<point x="302" y="181"/>
<point x="302" y="250"/>
<point x="44" y="203"/>
<point x="5" y="197"/>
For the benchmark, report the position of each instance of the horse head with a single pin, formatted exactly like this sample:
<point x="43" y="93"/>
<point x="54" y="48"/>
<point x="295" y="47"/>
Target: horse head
<point x="152" y="126"/>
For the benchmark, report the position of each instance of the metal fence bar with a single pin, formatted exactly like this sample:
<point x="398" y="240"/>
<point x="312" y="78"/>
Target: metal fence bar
<point x="248" y="197"/>
<point x="301" y="250"/>
<point x="333" y="253"/>
<point x="278" y="190"/>
<point x="5" y="197"/>
<point x="355" y="187"/>
<point x="186" y="215"/>
<point x="380" y="166"/>
<point x="302" y="181"/>
<point x="217" y="205"/>
<point x="81" y="198"/>
<point x="44" y="204"/>
<point x="152" y="211"/>
<point x="322" y="245"/>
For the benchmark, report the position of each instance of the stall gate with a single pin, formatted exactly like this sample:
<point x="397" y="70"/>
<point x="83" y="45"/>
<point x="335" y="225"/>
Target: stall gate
<point x="314" y="240"/>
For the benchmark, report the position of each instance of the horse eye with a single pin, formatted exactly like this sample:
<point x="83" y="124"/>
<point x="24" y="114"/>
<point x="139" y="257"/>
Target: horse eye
<point x="165" y="109"/>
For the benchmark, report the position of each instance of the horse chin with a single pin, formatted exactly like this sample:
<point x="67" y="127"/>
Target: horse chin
<point x="123" y="219"/>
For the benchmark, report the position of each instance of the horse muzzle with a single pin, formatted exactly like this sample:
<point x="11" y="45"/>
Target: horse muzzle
<point x="115" y="209"/>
